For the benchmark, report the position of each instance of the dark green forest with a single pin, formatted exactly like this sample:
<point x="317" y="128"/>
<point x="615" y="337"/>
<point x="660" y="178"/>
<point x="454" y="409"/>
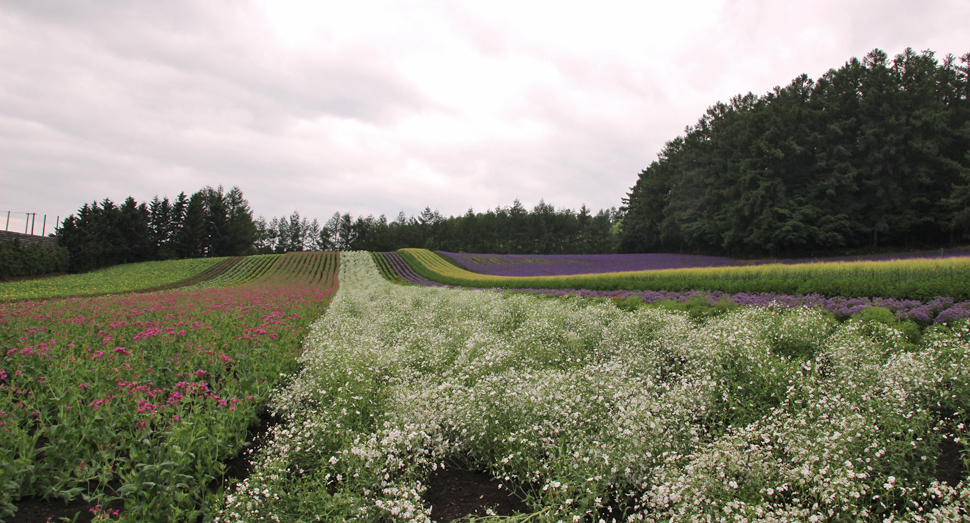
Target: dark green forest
<point x="210" y="222"/>
<point x="873" y="155"/>
<point x="504" y="230"/>
<point x="213" y="222"/>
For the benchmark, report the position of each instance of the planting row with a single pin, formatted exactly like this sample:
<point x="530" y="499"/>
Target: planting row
<point x="142" y="397"/>
<point x="592" y="413"/>
<point x="917" y="279"/>
<point x="246" y="270"/>
<point x="391" y="263"/>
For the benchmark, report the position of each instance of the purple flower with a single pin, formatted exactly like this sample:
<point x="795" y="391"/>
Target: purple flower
<point x="566" y="264"/>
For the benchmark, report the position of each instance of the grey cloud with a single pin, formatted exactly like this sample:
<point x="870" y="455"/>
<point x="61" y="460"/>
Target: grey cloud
<point x="110" y="98"/>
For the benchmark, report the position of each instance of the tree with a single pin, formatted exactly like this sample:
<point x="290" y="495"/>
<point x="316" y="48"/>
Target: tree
<point x="191" y="240"/>
<point x="873" y="154"/>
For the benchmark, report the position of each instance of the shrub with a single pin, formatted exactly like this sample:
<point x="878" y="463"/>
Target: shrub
<point x="19" y="260"/>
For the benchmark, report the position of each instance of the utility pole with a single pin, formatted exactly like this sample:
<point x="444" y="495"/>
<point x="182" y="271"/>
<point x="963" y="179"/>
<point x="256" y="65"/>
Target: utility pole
<point x="43" y="228"/>
<point x="7" y="227"/>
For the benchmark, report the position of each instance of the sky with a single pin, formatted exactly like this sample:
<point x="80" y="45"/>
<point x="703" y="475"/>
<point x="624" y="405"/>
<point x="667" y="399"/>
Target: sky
<point x="380" y="107"/>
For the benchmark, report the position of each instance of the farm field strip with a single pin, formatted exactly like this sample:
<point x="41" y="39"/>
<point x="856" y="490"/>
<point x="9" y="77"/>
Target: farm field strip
<point x="310" y="268"/>
<point x="572" y="264"/>
<point x="404" y="271"/>
<point x="918" y="279"/>
<point x="142" y="396"/>
<point x="938" y="310"/>
<point x="593" y="413"/>
<point x="123" y="278"/>
<point x="248" y="269"/>
<point x="383" y="267"/>
<point x="569" y="264"/>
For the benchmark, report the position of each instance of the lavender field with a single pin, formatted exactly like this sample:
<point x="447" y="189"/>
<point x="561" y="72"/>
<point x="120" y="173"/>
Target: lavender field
<point x="848" y="300"/>
<point x="569" y="264"/>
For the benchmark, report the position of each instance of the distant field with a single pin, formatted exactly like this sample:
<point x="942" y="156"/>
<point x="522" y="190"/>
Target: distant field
<point x="144" y="397"/>
<point x="122" y="278"/>
<point x="914" y="279"/>
<point x="570" y="264"/>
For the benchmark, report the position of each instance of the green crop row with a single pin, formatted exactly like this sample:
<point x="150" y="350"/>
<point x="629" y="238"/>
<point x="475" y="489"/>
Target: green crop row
<point x="303" y="268"/>
<point x="385" y="269"/>
<point x="921" y="279"/>
<point x="244" y="271"/>
<point x="113" y="280"/>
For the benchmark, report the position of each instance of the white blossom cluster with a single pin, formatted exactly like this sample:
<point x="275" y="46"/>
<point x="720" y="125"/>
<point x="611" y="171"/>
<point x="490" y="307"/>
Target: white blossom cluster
<point x="597" y="414"/>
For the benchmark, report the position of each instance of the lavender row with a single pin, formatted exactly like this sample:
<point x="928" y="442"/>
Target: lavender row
<point x="568" y="264"/>
<point x="406" y="273"/>
<point x="939" y="310"/>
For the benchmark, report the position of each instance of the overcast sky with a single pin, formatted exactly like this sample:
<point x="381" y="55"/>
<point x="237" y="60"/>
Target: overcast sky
<point x="377" y="107"/>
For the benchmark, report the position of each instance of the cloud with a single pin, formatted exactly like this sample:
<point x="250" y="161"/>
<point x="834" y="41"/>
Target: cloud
<point x="374" y="107"/>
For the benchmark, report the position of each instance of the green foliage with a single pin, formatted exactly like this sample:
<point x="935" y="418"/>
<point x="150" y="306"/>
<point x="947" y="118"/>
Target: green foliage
<point x="880" y="314"/>
<point x="629" y="304"/>
<point x="884" y="316"/>
<point x="506" y="230"/>
<point x="17" y="260"/>
<point x="873" y="154"/>
<point x="698" y="307"/>
<point x="210" y="223"/>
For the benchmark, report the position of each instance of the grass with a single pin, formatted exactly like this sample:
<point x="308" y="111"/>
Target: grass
<point x="113" y="280"/>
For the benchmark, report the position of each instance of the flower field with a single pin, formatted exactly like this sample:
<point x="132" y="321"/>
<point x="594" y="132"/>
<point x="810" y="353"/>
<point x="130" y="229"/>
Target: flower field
<point x="915" y="279"/>
<point x="568" y="264"/>
<point x="938" y="310"/>
<point x="394" y="269"/>
<point x="118" y="279"/>
<point x="142" y="397"/>
<point x="592" y="413"/>
<point x="248" y="269"/>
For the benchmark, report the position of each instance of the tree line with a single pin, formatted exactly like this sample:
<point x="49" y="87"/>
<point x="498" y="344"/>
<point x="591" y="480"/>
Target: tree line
<point x="507" y="230"/>
<point x="211" y="222"/>
<point x="873" y="155"/>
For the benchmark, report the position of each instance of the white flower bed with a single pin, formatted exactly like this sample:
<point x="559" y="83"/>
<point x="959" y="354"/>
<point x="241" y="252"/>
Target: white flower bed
<point x="601" y="414"/>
